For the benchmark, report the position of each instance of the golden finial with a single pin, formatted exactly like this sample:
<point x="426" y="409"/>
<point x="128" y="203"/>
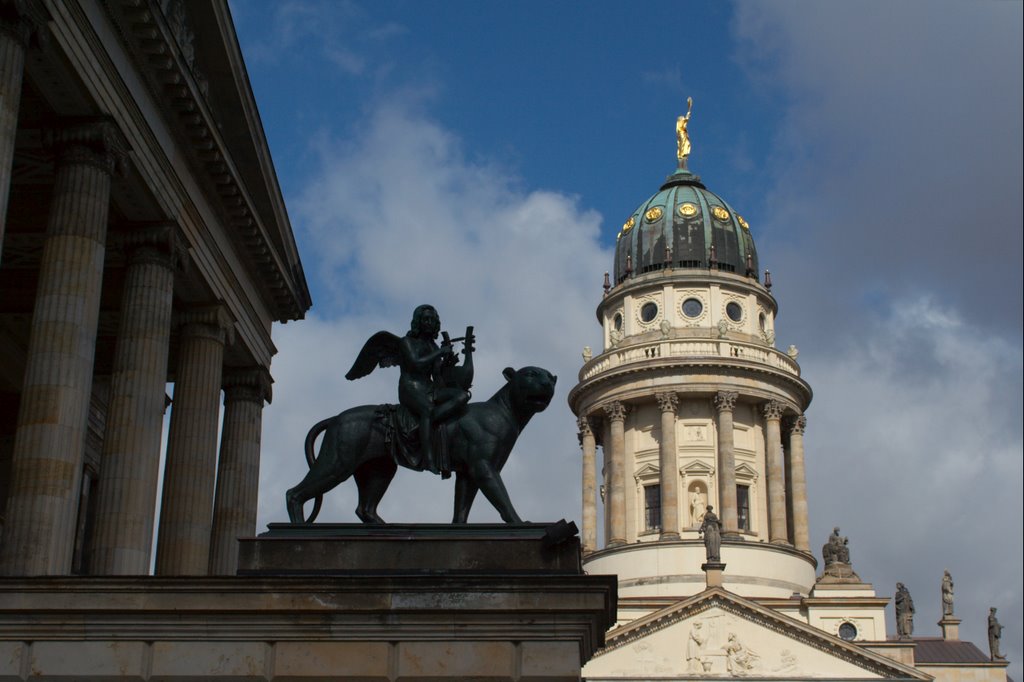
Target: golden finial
<point x="682" y="135"/>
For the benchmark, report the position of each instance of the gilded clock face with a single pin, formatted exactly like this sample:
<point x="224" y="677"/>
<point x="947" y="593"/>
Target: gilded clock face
<point x="688" y="210"/>
<point x="653" y="214"/>
<point x="628" y="225"/>
<point x="720" y="213"/>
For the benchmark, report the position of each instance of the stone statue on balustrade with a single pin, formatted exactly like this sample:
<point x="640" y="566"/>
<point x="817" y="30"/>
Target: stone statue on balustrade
<point x="836" y="553"/>
<point x="904" y="612"/>
<point x="711" y="529"/>
<point x="433" y="428"/>
<point x="995" y="634"/>
<point x="947" y="595"/>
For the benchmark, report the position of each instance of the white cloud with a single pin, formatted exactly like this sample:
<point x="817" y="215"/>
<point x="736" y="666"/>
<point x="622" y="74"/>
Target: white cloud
<point x="398" y="218"/>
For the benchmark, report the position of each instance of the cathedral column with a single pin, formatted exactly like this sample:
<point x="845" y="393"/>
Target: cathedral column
<point x="126" y="497"/>
<point x="589" y="445"/>
<point x="801" y="533"/>
<point x="17" y="24"/>
<point x="616" y="412"/>
<point x="46" y="465"/>
<point x="186" y="516"/>
<point x="668" y="467"/>
<point x="725" y="403"/>
<point x="238" y="474"/>
<point x="777" y="530"/>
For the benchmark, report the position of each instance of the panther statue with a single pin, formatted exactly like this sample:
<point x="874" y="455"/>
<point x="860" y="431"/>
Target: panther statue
<point x="479" y="442"/>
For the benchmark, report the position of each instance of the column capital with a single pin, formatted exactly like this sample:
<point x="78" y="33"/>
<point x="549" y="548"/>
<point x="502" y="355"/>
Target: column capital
<point x="725" y="400"/>
<point x="158" y="242"/>
<point x="248" y="383"/>
<point x="616" y="411"/>
<point x="211" y="321"/>
<point x="667" y="401"/>
<point x="23" y="20"/>
<point x="586" y="428"/>
<point x="797" y="424"/>
<point x="773" y="409"/>
<point x="94" y="141"/>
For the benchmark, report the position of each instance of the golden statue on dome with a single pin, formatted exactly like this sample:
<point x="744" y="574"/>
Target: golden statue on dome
<point x="682" y="135"/>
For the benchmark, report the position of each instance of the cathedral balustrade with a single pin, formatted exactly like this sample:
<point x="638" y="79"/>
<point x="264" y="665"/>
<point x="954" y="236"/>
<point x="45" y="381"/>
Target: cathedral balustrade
<point x="688" y="348"/>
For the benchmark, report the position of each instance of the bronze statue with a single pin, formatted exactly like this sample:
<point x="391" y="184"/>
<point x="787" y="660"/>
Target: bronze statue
<point x="904" y="612"/>
<point x="434" y="427"/>
<point x="711" y="529"/>
<point x="995" y="633"/>
<point x="683" y="147"/>
<point x="947" y="595"/>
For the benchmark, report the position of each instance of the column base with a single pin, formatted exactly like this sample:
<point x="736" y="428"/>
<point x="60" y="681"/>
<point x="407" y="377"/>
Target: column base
<point x="784" y="543"/>
<point x="733" y="536"/>
<point x="668" y="536"/>
<point x="616" y="542"/>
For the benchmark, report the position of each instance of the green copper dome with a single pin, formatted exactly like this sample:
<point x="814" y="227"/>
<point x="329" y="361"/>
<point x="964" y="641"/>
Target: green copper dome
<point x="684" y="225"/>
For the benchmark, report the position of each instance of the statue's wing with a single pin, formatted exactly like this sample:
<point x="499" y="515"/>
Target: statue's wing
<point x="380" y="350"/>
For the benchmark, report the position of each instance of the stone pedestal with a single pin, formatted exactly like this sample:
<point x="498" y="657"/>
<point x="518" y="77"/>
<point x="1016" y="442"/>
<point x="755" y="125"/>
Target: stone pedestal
<point x="950" y="628"/>
<point x="457" y="616"/>
<point x="713" y="573"/>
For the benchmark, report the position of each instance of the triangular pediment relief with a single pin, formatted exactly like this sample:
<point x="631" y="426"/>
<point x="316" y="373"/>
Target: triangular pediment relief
<point x="697" y="468"/>
<point x="717" y="634"/>
<point x="646" y="471"/>
<point x="746" y="471"/>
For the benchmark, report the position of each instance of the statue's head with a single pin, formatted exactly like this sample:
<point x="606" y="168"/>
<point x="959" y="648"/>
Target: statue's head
<point x="899" y="586"/>
<point x="425" y="321"/>
<point x="835" y="531"/>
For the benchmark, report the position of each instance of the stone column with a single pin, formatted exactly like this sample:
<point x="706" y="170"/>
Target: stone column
<point x="126" y="497"/>
<point x="18" y="21"/>
<point x="616" y="412"/>
<point x="238" y="474"/>
<point x="186" y="515"/>
<point x="777" y="530"/>
<point x="47" y="460"/>
<point x="668" y="466"/>
<point x="725" y="403"/>
<point x="589" y="445"/>
<point x="798" y="476"/>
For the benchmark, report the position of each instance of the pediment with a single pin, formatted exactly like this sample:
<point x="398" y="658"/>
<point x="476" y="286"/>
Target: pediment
<point x="697" y="468"/>
<point x="646" y="471"/>
<point x="746" y="471"/>
<point x="717" y="634"/>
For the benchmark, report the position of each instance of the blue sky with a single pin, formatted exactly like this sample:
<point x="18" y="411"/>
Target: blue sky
<point x="482" y="156"/>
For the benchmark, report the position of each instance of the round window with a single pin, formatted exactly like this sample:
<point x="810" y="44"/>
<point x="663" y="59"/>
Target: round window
<point x="761" y="321"/>
<point x="734" y="310"/>
<point x="692" y="307"/>
<point x="848" y="631"/>
<point x="648" y="311"/>
<point x="617" y="322"/>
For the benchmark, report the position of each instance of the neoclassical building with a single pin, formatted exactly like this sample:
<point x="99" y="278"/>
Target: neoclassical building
<point x="145" y="242"/>
<point x="694" y="408"/>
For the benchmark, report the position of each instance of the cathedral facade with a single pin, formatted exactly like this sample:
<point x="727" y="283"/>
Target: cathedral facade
<point x="703" y="493"/>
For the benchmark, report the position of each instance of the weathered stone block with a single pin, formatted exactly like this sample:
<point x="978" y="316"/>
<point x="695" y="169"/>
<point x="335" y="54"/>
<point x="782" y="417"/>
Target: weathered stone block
<point x="10" y="661"/>
<point x="81" y="661"/>
<point x="185" y="661"/>
<point x="433" y="661"/>
<point x="326" y="661"/>
<point x="549" y="662"/>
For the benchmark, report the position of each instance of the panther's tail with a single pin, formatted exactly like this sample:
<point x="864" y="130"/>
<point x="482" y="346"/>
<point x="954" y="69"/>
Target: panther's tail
<point x="317" y="429"/>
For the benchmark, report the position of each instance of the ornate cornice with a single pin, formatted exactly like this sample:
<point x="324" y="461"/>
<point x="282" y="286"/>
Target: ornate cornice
<point x="667" y="401"/>
<point x="773" y="410"/>
<point x="252" y="384"/>
<point x="725" y="400"/>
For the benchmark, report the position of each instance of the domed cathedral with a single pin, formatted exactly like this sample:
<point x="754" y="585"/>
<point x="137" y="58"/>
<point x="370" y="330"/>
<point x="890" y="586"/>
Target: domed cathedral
<point x="700" y="421"/>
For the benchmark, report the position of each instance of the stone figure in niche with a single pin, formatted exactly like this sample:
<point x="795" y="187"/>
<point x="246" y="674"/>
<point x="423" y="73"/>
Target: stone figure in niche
<point x="739" y="660"/>
<point x="433" y="428"/>
<point x="947" y="595"/>
<point x="698" y="505"/>
<point x="695" y="648"/>
<point x="711" y="529"/>
<point x="904" y="612"/>
<point x="995" y="633"/>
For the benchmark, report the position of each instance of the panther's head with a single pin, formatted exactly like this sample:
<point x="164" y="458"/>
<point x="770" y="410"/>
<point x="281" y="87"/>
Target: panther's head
<point x="532" y="387"/>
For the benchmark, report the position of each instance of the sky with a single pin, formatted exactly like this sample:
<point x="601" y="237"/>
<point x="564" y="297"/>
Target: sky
<point x="481" y="156"/>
